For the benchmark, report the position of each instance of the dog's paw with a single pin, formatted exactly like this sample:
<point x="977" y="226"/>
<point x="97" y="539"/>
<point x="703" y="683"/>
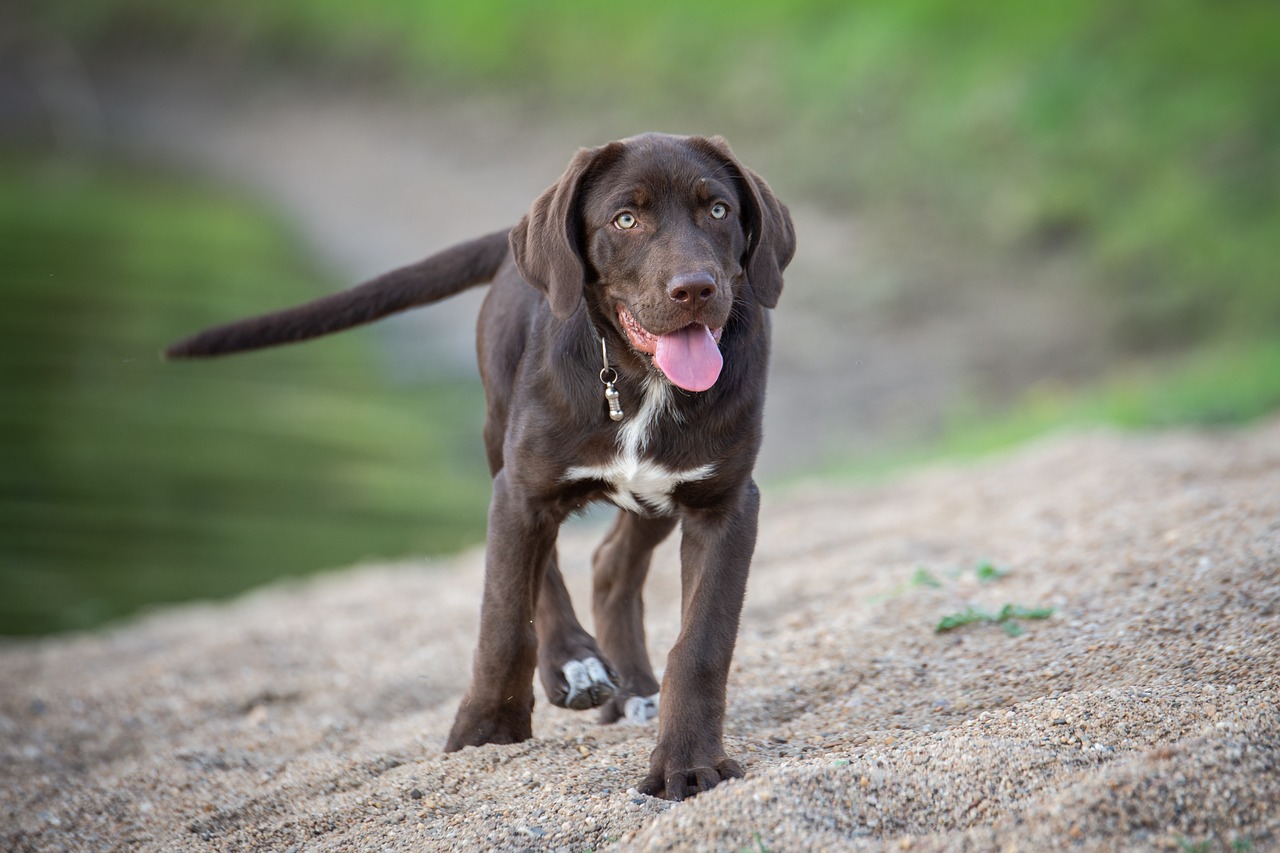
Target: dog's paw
<point x="675" y="781"/>
<point x="587" y="684"/>
<point x="479" y="723"/>
<point x="639" y="710"/>
<point x="627" y="707"/>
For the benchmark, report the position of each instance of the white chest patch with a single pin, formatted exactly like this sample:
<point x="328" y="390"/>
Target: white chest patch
<point x="637" y="484"/>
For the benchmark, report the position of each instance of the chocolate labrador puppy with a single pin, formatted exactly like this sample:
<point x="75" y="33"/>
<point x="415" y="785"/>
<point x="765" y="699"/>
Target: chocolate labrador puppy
<point x="623" y="346"/>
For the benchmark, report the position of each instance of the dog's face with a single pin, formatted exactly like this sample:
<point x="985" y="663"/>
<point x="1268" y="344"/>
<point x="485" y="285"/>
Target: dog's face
<point x="660" y="235"/>
<point x="664" y="245"/>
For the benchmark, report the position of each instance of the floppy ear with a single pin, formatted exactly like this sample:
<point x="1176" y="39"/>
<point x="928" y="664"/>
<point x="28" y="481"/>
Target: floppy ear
<point x="547" y="243"/>
<point x="771" y="238"/>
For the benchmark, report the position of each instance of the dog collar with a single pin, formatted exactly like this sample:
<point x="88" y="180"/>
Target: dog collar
<point x="609" y="376"/>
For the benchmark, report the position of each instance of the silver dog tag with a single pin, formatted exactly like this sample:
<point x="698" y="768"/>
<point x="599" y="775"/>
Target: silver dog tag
<point x="611" y="397"/>
<point x="608" y="376"/>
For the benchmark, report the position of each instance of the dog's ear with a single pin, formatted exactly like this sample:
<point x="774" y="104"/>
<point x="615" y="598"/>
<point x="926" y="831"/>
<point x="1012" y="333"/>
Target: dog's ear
<point x="771" y="238"/>
<point x="548" y="242"/>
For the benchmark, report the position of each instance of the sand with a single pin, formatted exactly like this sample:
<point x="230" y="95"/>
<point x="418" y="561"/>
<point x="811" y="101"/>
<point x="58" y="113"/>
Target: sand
<point x="1141" y="715"/>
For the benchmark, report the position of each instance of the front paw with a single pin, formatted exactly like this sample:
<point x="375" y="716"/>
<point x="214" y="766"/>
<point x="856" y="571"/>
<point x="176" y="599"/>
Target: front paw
<point x="679" y="780"/>
<point x="477" y="725"/>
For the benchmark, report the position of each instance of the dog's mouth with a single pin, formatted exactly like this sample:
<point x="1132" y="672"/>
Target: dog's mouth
<point x="690" y="357"/>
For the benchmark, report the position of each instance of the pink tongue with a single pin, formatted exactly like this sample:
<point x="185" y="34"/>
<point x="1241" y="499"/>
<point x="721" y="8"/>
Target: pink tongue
<point x="689" y="358"/>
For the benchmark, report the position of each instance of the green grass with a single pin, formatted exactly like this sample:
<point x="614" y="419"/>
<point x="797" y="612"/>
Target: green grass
<point x="125" y="480"/>
<point x="989" y="573"/>
<point x="1216" y="385"/>
<point x="1006" y="618"/>
<point x="1143" y="138"/>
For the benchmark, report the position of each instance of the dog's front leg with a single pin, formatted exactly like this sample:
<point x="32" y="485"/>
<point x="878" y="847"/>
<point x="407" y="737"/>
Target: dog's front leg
<point x="498" y="707"/>
<point x="716" y="555"/>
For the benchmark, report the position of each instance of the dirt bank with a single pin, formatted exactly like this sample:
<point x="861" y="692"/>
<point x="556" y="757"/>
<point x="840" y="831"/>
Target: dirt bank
<point x="1142" y="714"/>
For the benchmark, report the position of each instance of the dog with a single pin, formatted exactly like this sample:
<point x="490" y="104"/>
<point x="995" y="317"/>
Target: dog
<point x="623" y="346"/>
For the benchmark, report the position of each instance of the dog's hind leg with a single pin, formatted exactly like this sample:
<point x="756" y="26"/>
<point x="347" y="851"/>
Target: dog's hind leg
<point x="575" y="674"/>
<point x="621" y="564"/>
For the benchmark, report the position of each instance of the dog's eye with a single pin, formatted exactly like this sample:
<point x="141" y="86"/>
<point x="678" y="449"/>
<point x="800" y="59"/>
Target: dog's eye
<point x="625" y="221"/>
<point x="719" y="210"/>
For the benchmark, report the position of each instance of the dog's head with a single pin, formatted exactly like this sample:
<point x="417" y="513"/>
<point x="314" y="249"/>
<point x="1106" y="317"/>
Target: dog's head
<point x="660" y="235"/>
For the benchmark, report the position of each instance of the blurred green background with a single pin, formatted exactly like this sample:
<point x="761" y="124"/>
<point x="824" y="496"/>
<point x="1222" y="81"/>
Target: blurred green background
<point x="1135" y="146"/>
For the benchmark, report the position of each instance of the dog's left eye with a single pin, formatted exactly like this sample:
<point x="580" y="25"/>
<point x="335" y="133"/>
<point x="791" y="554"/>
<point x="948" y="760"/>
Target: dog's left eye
<point x="719" y="210"/>
<point x="625" y="221"/>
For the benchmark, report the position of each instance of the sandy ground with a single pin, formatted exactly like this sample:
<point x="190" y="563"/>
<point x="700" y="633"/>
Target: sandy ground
<point x="1142" y="715"/>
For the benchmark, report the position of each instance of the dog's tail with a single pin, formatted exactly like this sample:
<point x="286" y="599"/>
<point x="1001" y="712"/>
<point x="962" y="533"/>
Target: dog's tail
<point x="444" y="274"/>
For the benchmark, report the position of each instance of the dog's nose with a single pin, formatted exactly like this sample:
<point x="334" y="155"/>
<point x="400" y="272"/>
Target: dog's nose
<point x="692" y="287"/>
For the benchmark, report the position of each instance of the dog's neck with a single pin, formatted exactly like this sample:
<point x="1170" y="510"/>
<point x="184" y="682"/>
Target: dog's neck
<point x="654" y="400"/>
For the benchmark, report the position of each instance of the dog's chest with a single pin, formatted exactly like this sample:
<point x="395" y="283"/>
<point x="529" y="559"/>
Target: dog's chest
<point x="636" y="481"/>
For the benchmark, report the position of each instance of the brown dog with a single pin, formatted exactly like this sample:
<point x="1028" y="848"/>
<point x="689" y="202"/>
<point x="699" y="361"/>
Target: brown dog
<point x="623" y="346"/>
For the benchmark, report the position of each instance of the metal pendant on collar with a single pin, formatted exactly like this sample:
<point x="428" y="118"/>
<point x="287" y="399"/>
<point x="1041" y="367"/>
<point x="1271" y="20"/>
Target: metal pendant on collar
<point x="609" y="376"/>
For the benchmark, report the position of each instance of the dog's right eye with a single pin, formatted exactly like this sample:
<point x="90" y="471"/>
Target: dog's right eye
<point x="625" y="221"/>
